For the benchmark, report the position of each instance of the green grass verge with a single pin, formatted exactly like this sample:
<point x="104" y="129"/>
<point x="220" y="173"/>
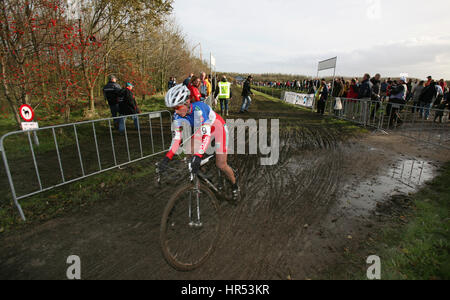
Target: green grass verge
<point x="420" y="250"/>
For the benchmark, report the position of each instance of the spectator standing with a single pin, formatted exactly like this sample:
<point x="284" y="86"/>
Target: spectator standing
<point x="365" y="89"/>
<point x="439" y="95"/>
<point x="188" y="80"/>
<point x="426" y="99"/>
<point x="205" y="87"/>
<point x="396" y="100"/>
<point x="376" y="87"/>
<point x="443" y="84"/>
<point x="416" y="92"/>
<point x="171" y="83"/>
<point x="410" y="87"/>
<point x="352" y="94"/>
<point x="376" y="94"/>
<point x="311" y="89"/>
<point x="323" y="96"/>
<point x="440" y="109"/>
<point x="365" y="92"/>
<point x="194" y="87"/>
<point x="337" y="93"/>
<point x="223" y="91"/>
<point x="246" y="93"/>
<point x="112" y="92"/>
<point x="353" y="90"/>
<point x="213" y="82"/>
<point x="345" y="89"/>
<point x="338" y="88"/>
<point x="384" y="87"/>
<point x="430" y="79"/>
<point x="128" y="106"/>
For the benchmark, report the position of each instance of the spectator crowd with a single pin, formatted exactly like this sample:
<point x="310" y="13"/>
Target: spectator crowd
<point x="424" y="95"/>
<point x="421" y="95"/>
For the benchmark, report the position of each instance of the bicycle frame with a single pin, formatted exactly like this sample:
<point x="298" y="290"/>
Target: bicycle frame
<point x="201" y="176"/>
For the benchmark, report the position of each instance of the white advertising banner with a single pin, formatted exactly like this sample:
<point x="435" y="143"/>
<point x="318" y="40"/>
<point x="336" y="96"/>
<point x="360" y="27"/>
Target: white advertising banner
<point x="328" y="64"/>
<point x="305" y="100"/>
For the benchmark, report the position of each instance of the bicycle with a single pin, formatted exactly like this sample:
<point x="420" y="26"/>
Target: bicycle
<point x="191" y="221"/>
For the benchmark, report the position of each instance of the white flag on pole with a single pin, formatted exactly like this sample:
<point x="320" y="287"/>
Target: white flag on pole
<point x="213" y="61"/>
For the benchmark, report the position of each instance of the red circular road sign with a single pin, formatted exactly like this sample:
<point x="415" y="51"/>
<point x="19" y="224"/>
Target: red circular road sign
<point x="26" y="112"/>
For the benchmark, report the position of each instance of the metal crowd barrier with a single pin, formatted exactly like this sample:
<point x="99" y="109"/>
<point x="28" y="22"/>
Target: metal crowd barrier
<point x="425" y="124"/>
<point x="429" y="125"/>
<point x="95" y="146"/>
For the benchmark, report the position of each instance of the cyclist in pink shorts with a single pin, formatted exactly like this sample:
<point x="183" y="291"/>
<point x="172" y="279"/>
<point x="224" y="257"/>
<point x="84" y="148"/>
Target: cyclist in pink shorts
<point x="206" y="126"/>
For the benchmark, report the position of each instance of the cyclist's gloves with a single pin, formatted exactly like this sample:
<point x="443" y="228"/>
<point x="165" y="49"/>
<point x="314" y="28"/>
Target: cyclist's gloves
<point x="195" y="164"/>
<point x="163" y="165"/>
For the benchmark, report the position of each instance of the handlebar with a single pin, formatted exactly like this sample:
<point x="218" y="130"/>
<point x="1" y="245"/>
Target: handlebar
<point x="188" y="164"/>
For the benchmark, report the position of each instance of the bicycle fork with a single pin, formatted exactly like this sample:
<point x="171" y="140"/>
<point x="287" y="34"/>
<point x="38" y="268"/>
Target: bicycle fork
<point x="195" y="223"/>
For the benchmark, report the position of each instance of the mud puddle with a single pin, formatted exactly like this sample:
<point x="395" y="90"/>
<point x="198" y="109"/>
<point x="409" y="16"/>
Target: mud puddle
<point x="401" y="178"/>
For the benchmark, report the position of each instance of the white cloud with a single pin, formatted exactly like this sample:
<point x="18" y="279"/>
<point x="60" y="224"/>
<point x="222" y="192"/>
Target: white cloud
<point x="292" y="36"/>
<point x="418" y="59"/>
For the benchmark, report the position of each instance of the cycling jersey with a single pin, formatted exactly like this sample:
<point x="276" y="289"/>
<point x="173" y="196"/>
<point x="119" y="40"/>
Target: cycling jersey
<point x="205" y="124"/>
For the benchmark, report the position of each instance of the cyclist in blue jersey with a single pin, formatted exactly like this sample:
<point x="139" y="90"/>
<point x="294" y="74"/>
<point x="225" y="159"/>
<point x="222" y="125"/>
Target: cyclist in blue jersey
<point x="206" y="124"/>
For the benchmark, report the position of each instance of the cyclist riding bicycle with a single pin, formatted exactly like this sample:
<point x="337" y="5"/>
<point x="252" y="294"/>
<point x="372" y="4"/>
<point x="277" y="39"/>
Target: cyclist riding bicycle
<point x="207" y="126"/>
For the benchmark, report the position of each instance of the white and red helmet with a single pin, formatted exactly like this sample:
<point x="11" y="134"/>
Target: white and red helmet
<point x="178" y="95"/>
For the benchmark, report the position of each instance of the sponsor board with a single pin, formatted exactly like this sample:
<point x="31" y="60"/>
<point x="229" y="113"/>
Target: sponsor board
<point x="305" y="100"/>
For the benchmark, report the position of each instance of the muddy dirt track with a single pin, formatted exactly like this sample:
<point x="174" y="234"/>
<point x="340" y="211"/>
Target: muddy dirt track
<point x="290" y="222"/>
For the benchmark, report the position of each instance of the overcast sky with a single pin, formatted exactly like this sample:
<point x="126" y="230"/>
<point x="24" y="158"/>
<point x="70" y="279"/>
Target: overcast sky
<point x="292" y="36"/>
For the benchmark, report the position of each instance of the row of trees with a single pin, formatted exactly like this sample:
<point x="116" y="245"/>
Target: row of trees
<point x="56" y="54"/>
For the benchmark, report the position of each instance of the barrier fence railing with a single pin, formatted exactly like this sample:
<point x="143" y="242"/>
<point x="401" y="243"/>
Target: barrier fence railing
<point x="46" y="158"/>
<point x="426" y="124"/>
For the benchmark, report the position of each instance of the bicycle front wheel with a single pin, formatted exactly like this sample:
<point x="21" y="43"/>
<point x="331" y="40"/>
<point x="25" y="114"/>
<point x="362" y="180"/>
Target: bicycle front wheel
<point x="190" y="227"/>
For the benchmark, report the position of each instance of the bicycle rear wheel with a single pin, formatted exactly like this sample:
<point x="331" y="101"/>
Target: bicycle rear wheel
<point x="190" y="227"/>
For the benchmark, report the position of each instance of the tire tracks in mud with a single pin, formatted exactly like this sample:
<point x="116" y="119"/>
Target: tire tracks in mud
<point x="263" y="234"/>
